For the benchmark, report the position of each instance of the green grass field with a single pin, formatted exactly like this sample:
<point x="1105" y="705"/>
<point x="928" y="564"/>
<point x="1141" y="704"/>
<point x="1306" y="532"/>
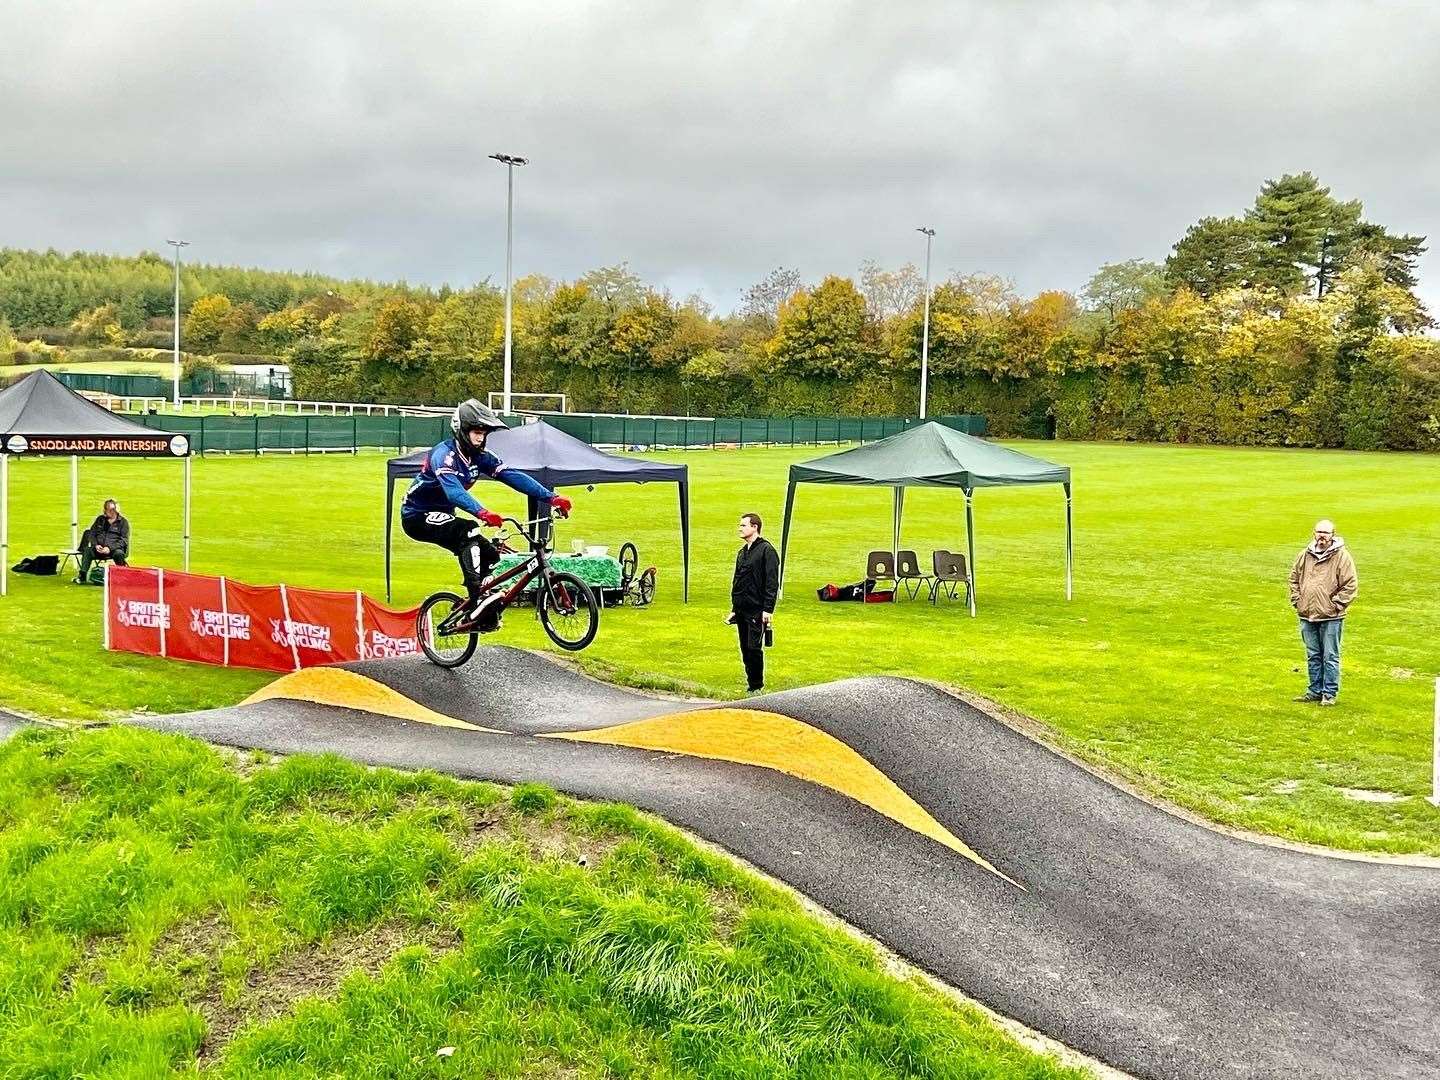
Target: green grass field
<point x="127" y="367"/>
<point x="1174" y="665"/>
<point x="171" y="912"/>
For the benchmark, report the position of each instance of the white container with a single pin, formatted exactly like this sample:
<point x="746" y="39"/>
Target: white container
<point x="597" y="552"/>
<point x="577" y="547"/>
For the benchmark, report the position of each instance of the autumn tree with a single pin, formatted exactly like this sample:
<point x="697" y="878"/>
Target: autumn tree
<point x="1118" y="287"/>
<point x="398" y="323"/>
<point x="821" y="331"/>
<point x="206" y="322"/>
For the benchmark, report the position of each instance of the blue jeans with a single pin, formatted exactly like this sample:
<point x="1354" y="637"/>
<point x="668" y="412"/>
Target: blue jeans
<point x="1322" y="654"/>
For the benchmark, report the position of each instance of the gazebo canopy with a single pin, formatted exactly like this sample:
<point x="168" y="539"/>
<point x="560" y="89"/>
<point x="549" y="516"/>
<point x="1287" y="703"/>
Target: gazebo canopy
<point x="41" y="417"/>
<point x="556" y="460"/>
<point x="931" y="455"/>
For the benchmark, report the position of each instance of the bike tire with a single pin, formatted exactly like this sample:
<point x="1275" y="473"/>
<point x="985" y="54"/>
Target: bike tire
<point x="629" y="562"/>
<point x="562" y="593"/>
<point x="425" y="618"/>
<point x="645" y="587"/>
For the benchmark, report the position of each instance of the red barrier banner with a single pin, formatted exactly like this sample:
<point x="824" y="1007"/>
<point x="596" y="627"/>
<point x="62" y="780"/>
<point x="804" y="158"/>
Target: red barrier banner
<point x="212" y="620"/>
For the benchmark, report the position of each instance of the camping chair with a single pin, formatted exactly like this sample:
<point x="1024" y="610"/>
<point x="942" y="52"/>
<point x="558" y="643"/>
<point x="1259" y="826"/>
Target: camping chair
<point x="950" y="573"/>
<point x="73" y="553"/>
<point x="907" y="573"/>
<point x="880" y="566"/>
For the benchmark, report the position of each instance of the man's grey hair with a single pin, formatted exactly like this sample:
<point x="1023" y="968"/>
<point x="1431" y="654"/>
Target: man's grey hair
<point x="1325" y="525"/>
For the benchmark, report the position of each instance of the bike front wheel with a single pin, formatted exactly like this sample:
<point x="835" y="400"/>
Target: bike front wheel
<point x="568" y="611"/>
<point x="448" y="649"/>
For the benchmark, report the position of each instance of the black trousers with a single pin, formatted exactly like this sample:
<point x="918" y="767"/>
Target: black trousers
<point x="476" y="553"/>
<point x="752" y="647"/>
<point x="89" y="555"/>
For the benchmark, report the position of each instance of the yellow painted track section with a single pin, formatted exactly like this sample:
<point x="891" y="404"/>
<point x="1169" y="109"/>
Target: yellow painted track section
<point x="351" y="690"/>
<point x="773" y="741"/>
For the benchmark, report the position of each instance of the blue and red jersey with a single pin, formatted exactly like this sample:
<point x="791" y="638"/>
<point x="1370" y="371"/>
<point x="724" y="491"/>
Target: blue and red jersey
<point x="445" y="479"/>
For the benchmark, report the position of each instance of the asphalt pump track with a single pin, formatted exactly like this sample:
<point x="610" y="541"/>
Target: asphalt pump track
<point x="1151" y="942"/>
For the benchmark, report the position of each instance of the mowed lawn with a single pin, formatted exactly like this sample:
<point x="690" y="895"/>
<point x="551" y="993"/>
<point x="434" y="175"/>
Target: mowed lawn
<point x="1174" y="665"/>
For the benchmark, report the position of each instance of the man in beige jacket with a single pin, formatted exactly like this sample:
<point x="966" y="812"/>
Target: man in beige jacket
<point x="1322" y="587"/>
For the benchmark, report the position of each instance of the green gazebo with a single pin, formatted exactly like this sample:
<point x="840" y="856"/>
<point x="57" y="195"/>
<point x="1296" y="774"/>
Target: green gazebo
<point x="932" y="455"/>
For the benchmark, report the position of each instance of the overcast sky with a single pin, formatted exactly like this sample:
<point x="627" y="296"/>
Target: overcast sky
<point x="703" y="144"/>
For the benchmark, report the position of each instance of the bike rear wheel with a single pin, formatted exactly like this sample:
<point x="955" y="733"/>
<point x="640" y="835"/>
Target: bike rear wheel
<point x="645" y="587"/>
<point x="568" y="611"/>
<point x="446" y="649"/>
<point x="629" y="561"/>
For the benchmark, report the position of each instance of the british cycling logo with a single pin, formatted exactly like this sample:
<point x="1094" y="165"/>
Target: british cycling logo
<point x="301" y="635"/>
<point x="206" y="623"/>
<point x="179" y="445"/>
<point x="18" y="444"/>
<point x="142" y="613"/>
<point x="384" y="647"/>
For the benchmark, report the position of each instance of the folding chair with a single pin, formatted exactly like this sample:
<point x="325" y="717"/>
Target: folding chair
<point x="73" y="553"/>
<point x="950" y="573"/>
<point x="880" y="566"/>
<point x="907" y="574"/>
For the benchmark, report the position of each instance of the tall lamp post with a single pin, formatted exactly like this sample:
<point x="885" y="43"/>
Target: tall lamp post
<point x="925" y="334"/>
<point x="509" y="161"/>
<point x="177" y="245"/>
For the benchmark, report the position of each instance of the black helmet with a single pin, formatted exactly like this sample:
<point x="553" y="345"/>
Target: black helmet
<point x="472" y="416"/>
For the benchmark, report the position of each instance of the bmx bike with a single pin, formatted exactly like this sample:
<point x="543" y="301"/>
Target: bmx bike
<point x="567" y="608"/>
<point x="637" y="589"/>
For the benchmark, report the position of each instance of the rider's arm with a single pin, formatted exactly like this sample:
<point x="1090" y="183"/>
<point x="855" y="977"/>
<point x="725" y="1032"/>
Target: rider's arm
<point x="521" y="482"/>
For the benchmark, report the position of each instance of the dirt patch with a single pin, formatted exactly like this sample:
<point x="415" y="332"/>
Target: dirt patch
<point x="247" y="763"/>
<point x="310" y="971"/>
<point x="1366" y="795"/>
<point x="546" y="837"/>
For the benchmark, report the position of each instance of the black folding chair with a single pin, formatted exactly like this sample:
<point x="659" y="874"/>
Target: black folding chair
<point x="951" y="572"/>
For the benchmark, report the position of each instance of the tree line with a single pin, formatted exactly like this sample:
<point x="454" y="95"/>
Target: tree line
<point x="1294" y="322"/>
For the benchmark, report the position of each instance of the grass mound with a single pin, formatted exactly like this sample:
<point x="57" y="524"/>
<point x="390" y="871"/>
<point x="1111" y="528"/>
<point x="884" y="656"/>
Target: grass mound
<point x="166" y="909"/>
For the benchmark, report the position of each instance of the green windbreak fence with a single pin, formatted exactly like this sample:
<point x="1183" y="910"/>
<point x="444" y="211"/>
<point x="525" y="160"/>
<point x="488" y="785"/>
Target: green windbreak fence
<point x="259" y="433"/>
<point x="301" y="434"/>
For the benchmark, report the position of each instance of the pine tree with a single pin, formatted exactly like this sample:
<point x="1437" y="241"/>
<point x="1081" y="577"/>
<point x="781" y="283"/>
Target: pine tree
<point x="1291" y="218"/>
<point x="1216" y="254"/>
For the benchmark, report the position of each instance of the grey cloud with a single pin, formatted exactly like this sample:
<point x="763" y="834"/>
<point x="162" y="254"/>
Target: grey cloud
<point x="703" y="144"/>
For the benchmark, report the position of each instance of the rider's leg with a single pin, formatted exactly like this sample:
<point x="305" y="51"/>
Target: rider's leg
<point x="477" y="557"/>
<point x="462" y="538"/>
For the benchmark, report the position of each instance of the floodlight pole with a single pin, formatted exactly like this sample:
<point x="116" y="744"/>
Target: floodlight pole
<point x="925" y="334"/>
<point x="177" y="245"/>
<point x="509" y="161"/>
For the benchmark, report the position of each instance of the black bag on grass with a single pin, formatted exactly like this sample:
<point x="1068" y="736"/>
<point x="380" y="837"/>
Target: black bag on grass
<point x="40" y="565"/>
<point x="835" y="593"/>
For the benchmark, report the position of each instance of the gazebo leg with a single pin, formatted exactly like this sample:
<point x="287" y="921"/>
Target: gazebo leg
<point x="970" y="548"/>
<point x="4" y="523"/>
<point x="187" y="513"/>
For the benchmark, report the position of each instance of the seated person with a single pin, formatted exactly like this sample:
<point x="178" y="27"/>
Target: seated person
<point x="107" y="538"/>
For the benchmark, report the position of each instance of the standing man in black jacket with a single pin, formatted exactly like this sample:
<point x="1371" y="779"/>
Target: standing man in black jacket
<point x="107" y="538"/>
<point x="752" y="597"/>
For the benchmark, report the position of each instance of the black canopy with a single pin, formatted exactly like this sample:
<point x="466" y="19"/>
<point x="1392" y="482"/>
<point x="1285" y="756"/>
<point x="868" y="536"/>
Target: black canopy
<point x="40" y="416"/>
<point x="556" y="460"/>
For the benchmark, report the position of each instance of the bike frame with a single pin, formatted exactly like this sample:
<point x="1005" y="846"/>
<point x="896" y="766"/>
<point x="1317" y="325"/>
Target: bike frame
<point x="537" y="564"/>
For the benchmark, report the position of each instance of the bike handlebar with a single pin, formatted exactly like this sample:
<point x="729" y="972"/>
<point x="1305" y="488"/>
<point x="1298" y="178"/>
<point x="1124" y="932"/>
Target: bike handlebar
<point x="520" y="525"/>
